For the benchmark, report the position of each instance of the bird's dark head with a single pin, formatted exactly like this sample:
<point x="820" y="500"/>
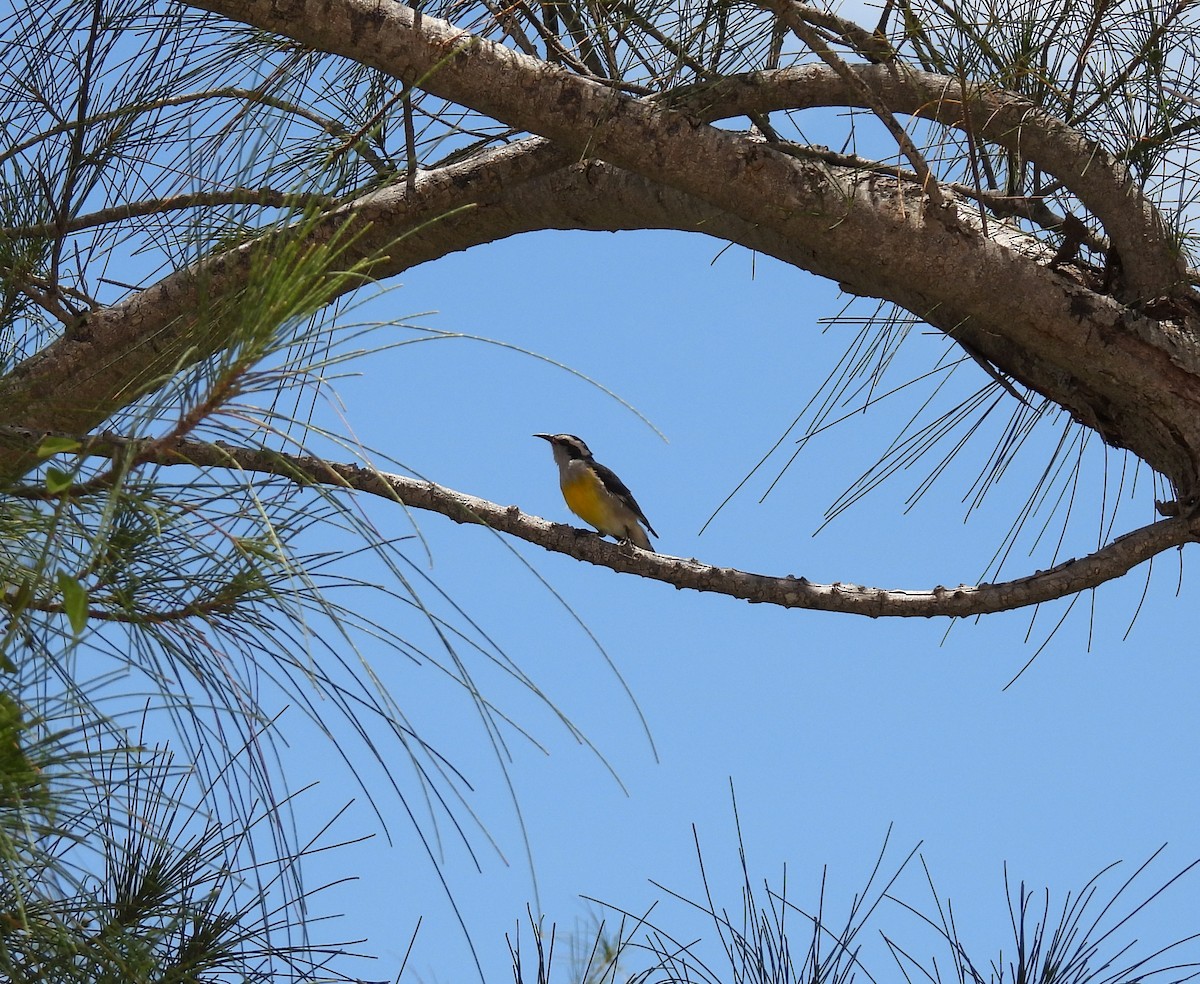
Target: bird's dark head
<point x="567" y="444"/>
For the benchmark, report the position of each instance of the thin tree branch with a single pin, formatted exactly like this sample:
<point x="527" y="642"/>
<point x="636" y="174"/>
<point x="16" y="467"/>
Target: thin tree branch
<point x="332" y="127"/>
<point x="1070" y="577"/>
<point x="794" y="15"/>
<point x="204" y="608"/>
<point x="266" y="197"/>
<point x="410" y="142"/>
<point x="874" y="47"/>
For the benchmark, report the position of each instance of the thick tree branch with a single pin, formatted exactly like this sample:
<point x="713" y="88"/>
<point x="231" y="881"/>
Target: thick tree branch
<point x="1114" y="370"/>
<point x="1070" y="577"/>
<point x="1152" y="260"/>
<point x="583" y="117"/>
<point x="593" y="120"/>
<point x="1032" y="208"/>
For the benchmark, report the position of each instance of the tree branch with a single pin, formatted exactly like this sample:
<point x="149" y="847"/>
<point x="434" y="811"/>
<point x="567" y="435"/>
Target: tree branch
<point x="266" y="197"/>
<point x="1152" y="260"/>
<point x="1070" y="577"/>
<point x="1116" y="371"/>
<point x="795" y="16"/>
<point x="332" y="127"/>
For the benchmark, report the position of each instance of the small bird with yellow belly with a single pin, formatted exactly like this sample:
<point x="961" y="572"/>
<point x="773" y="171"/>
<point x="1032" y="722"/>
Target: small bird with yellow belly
<point x="595" y="494"/>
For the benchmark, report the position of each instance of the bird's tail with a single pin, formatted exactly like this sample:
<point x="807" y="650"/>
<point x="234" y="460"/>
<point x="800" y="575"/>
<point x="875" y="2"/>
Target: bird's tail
<point x="638" y="537"/>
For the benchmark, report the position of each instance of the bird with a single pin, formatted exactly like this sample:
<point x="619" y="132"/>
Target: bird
<point x="595" y="494"/>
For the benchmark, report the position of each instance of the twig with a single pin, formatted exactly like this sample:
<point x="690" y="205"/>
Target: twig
<point x="795" y="16"/>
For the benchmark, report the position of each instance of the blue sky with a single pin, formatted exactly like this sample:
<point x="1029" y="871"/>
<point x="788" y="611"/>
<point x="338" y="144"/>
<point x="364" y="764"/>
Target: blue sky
<point x="830" y="728"/>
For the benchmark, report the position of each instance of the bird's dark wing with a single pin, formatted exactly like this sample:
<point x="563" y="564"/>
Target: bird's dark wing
<point x="610" y="480"/>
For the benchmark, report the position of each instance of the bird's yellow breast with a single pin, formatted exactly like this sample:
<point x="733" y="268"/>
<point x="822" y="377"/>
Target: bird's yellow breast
<point x="588" y="499"/>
